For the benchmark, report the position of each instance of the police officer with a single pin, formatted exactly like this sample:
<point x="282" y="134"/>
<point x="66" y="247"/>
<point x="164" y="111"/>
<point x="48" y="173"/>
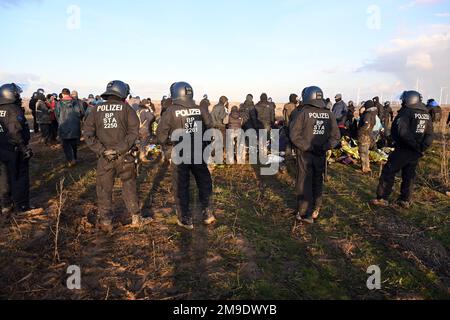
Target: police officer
<point x="111" y="131"/>
<point x="313" y="132"/>
<point x="412" y="132"/>
<point x="185" y="118"/>
<point x="14" y="151"/>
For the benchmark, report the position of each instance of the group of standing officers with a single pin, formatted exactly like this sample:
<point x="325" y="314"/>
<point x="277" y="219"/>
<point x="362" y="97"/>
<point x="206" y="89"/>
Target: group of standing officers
<point x="111" y="130"/>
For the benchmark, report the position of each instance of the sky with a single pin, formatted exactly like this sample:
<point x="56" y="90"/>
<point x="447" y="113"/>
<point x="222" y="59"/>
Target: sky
<point x="229" y="47"/>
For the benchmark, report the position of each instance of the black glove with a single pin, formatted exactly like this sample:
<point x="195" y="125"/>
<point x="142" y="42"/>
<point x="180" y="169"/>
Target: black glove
<point x="28" y="154"/>
<point x="110" y="155"/>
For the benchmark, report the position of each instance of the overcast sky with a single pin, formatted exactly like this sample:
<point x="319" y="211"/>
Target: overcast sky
<point x="228" y="47"/>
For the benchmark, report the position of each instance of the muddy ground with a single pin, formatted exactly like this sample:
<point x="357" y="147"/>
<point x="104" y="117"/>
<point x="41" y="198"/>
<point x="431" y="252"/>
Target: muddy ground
<point x="255" y="251"/>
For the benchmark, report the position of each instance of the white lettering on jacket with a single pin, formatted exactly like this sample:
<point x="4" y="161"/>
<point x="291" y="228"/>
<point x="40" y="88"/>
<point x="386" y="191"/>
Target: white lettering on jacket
<point x="3" y="114"/>
<point x="188" y="113"/>
<point x="314" y="115"/>
<point x="110" y="108"/>
<point x="421" y="116"/>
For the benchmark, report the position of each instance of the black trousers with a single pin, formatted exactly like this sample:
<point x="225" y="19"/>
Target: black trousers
<point x="70" y="147"/>
<point x="181" y="175"/>
<point x="54" y="130"/>
<point x="106" y="174"/>
<point x="14" y="180"/>
<point x="403" y="160"/>
<point x="35" y="124"/>
<point x="311" y="169"/>
<point x="45" y="130"/>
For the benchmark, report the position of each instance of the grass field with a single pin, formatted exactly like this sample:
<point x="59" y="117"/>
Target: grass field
<point x="255" y="251"/>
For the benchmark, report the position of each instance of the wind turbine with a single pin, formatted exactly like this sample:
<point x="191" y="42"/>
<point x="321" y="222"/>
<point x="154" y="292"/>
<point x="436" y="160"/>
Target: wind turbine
<point x="442" y="93"/>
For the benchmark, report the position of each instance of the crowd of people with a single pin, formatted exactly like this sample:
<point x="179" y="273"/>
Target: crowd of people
<point x="119" y="128"/>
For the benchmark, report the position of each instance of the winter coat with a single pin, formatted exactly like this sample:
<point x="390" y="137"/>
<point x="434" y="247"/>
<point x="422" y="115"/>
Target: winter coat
<point x="340" y="110"/>
<point x="43" y="115"/>
<point x="112" y="125"/>
<point x="367" y="123"/>
<point x="69" y="114"/>
<point x="413" y="129"/>
<point x="218" y="114"/>
<point x="314" y="130"/>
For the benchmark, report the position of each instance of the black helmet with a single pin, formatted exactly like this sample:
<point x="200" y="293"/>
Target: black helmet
<point x="410" y="98"/>
<point x="118" y="89"/>
<point x="10" y="93"/>
<point x="313" y="96"/>
<point x="181" y="91"/>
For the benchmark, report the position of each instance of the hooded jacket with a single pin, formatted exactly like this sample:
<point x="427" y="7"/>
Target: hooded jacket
<point x="248" y="113"/>
<point x="367" y="123"/>
<point x="413" y="129"/>
<point x="219" y="113"/>
<point x="314" y="130"/>
<point x="264" y="113"/>
<point x="43" y="113"/>
<point x="69" y="114"/>
<point x="289" y="108"/>
<point x="388" y="116"/>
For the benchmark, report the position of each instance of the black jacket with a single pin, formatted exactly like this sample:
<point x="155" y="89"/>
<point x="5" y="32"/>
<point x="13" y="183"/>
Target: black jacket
<point x="69" y="114"/>
<point x="14" y="130"/>
<point x="413" y="129"/>
<point x="387" y="116"/>
<point x="367" y="122"/>
<point x="43" y="113"/>
<point x="314" y="130"/>
<point x="32" y="104"/>
<point x="205" y="104"/>
<point x="186" y="116"/>
<point x="112" y="125"/>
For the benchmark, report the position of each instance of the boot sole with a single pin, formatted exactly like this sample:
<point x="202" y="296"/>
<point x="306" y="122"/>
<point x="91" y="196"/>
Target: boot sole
<point x="186" y="227"/>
